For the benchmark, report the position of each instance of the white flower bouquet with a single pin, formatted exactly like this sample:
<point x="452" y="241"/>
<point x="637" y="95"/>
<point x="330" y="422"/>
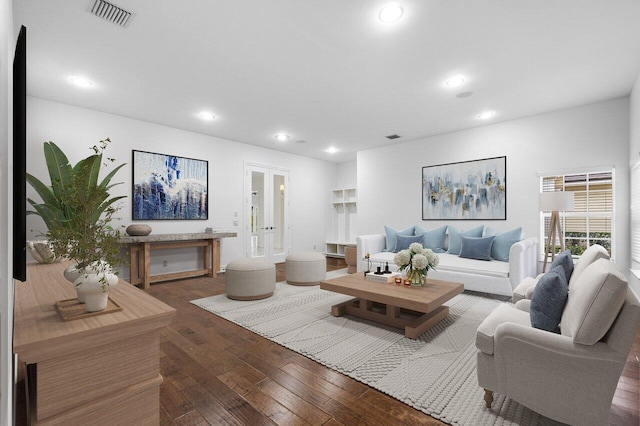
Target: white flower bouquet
<point x="417" y="261"/>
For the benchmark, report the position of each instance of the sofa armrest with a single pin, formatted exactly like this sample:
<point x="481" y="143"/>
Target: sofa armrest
<point x="509" y="336"/>
<point x="372" y="244"/>
<point x="522" y="261"/>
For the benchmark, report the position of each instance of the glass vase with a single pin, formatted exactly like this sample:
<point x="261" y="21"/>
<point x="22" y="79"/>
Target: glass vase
<point x="418" y="278"/>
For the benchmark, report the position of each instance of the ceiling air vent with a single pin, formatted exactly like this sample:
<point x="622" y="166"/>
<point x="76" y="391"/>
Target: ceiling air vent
<point x="112" y="13"/>
<point x="392" y="137"/>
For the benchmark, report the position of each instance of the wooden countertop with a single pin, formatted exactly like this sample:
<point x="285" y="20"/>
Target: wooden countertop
<point x="39" y="333"/>
<point x="176" y="237"/>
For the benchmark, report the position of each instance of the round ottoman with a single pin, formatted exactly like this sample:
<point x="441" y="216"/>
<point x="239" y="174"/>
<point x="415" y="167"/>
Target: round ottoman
<point x="307" y="268"/>
<point x="250" y="279"/>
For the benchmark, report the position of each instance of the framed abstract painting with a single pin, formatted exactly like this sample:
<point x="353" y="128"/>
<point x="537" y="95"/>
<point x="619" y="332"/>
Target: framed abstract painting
<point x="469" y="190"/>
<point x="168" y="187"/>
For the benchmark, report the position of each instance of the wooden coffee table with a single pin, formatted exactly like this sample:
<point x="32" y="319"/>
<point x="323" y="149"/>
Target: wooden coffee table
<point x="414" y="309"/>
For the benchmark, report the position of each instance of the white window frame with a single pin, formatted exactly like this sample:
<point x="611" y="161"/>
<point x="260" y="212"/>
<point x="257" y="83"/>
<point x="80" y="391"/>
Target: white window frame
<point x="611" y="216"/>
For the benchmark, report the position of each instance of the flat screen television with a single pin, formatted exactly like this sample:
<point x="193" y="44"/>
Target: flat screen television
<point x="20" y="157"/>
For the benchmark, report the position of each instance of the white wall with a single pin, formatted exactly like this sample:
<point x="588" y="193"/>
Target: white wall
<point x="7" y="45"/>
<point x="634" y="157"/>
<point x="347" y="174"/>
<point x="76" y="129"/>
<point x="389" y="178"/>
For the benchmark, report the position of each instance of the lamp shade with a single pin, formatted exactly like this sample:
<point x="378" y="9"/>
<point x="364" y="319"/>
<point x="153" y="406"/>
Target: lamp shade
<point x="559" y="201"/>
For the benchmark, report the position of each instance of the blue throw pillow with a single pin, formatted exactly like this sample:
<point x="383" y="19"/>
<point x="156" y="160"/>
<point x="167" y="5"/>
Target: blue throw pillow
<point x="391" y="236"/>
<point x="433" y="239"/>
<point x="454" y="237"/>
<point x="503" y="242"/>
<point x="476" y="248"/>
<point x="566" y="261"/>
<point x="404" y="241"/>
<point x="548" y="300"/>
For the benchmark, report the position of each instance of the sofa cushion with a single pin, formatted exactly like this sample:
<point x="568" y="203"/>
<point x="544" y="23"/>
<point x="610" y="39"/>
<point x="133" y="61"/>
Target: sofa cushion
<point x="476" y="248"/>
<point x="502" y="243"/>
<point x="391" y="236"/>
<point x="487" y="329"/>
<point x="433" y="239"/>
<point x="453" y="263"/>
<point x="590" y="255"/>
<point x="595" y="299"/>
<point x="549" y="299"/>
<point x="454" y="237"/>
<point x="565" y="260"/>
<point x="404" y="241"/>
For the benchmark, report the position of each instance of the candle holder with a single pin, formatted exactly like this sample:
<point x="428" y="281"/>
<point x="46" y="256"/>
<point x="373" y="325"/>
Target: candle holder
<point x="407" y="283"/>
<point x="398" y="280"/>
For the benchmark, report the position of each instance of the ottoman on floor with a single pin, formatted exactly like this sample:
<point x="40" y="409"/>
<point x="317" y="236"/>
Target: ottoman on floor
<point x="306" y="268"/>
<point x="250" y="279"/>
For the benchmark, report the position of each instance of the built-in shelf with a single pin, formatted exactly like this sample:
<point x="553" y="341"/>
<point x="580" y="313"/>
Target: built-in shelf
<point x="344" y="204"/>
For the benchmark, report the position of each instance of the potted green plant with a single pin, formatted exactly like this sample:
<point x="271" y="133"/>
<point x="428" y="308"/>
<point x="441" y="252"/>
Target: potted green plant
<point x="78" y="210"/>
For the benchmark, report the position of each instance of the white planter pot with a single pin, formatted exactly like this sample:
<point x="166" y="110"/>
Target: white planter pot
<point x="93" y="287"/>
<point x="72" y="274"/>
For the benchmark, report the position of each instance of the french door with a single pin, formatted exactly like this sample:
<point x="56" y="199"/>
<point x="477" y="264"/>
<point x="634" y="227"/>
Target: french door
<point x="267" y="212"/>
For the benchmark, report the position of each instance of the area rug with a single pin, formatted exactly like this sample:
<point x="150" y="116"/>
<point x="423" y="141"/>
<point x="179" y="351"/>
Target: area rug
<point x="435" y="374"/>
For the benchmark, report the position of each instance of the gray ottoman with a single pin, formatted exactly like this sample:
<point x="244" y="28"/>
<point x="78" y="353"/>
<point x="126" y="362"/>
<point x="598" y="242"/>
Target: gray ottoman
<point x="306" y="268"/>
<point x="250" y="279"/>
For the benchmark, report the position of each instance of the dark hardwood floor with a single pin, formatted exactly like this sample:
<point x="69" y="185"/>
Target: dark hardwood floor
<point x="216" y="372"/>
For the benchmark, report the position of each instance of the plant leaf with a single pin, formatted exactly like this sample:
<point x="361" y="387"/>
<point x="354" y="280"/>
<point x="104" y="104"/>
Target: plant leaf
<point x="104" y="206"/>
<point x="59" y="168"/>
<point x="87" y="171"/>
<point x="108" y="177"/>
<point x="45" y="192"/>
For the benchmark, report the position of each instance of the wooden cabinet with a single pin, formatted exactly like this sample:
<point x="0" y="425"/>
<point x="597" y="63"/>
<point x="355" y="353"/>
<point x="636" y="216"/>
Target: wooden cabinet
<point x="344" y="206"/>
<point x="98" y="370"/>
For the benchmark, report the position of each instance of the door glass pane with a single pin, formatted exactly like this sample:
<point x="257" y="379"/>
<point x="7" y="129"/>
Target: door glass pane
<point x="278" y="214"/>
<point x="256" y="221"/>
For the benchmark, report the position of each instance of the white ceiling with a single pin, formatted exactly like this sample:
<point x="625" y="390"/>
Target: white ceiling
<point x="329" y="72"/>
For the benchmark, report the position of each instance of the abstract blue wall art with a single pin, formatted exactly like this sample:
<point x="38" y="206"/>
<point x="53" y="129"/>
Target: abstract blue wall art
<point x="168" y="187"/>
<point x="470" y="190"/>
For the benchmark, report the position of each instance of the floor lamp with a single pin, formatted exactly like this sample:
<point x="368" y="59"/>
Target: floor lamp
<point x="555" y="202"/>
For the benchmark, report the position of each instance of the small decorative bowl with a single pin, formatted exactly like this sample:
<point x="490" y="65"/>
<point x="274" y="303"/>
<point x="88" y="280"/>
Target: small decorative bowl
<point x="138" y="230"/>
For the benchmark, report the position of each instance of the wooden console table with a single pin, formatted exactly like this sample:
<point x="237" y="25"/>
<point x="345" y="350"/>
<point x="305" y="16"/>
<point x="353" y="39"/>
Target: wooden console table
<point x="100" y="370"/>
<point x="140" y="254"/>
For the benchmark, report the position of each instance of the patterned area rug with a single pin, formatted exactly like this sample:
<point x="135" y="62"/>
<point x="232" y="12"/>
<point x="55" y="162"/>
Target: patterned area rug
<point x="435" y="374"/>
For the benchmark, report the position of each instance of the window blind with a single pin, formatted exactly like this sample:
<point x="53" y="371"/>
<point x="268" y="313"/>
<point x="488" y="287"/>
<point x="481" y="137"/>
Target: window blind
<point x="591" y="220"/>
<point x="635" y="212"/>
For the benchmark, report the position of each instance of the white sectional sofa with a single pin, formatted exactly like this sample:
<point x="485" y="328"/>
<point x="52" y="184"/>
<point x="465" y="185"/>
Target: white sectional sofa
<point x="485" y="276"/>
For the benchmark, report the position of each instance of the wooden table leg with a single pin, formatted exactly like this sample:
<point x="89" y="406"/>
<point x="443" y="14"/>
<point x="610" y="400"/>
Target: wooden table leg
<point x="146" y="256"/>
<point x="215" y="255"/>
<point x="208" y="249"/>
<point x="133" y="263"/>
<point x="415" y="328"/>
<point x="341" y="308"/>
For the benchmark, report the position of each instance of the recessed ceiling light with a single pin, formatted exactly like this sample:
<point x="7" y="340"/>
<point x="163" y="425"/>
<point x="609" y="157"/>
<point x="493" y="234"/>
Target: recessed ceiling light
<point x="464" y="95"/>
<point x="390" y="13"/>
<point x="80" y="81"/>
<point x="487" y="115"/>
<point x="206" y="115"/>
<point x="281" y="137"/>
<point x="331" y="150"/>
<point x="455" y="81"/>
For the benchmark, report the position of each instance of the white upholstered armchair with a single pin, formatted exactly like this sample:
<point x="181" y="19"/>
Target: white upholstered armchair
<point x="570" y="377"/>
